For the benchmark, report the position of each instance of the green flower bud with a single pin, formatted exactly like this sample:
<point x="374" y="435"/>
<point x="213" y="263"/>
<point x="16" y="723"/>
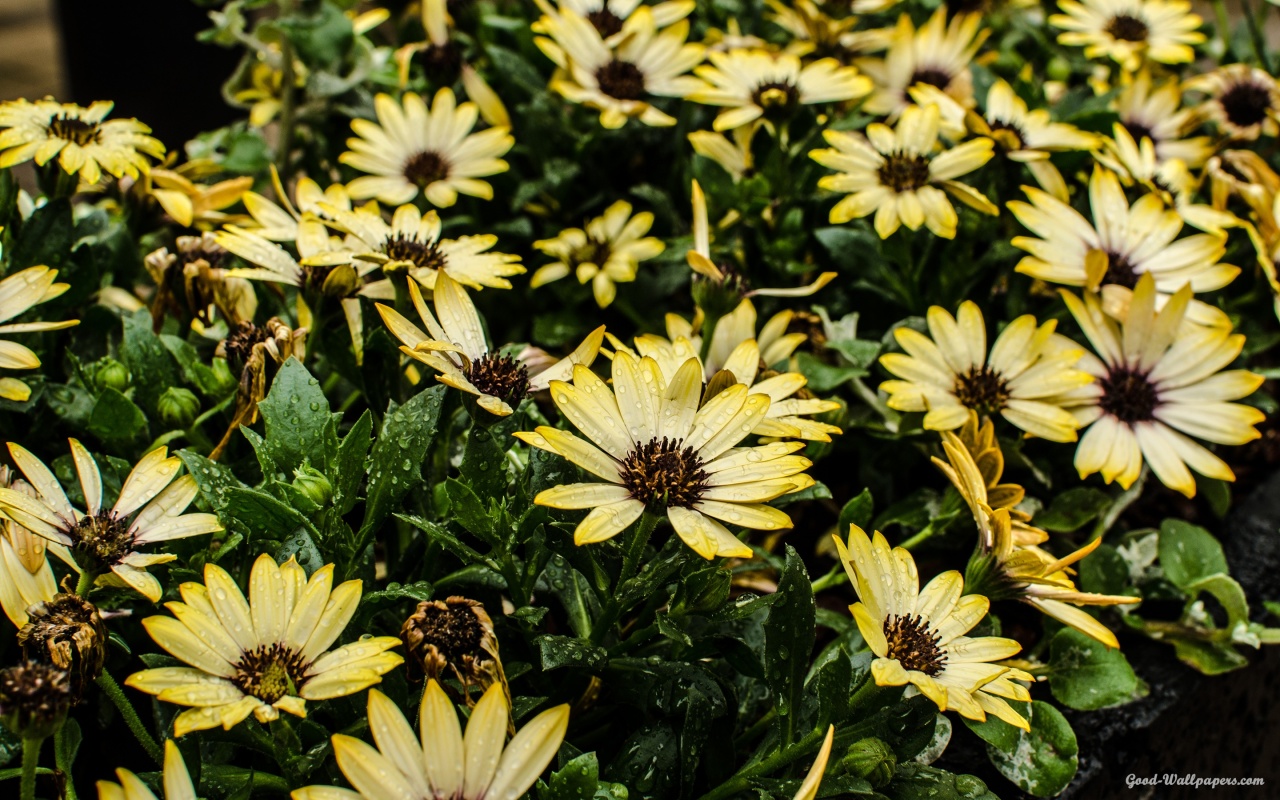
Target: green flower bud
<point x="871" y="759"/>
<point x="1059" y="69"/>
<point x="717" y="298"/>
<point x="34" y="699"/>
<point x="178" y="408"/>
<point x="111" y="374"/>
<point x="312" y="483"/>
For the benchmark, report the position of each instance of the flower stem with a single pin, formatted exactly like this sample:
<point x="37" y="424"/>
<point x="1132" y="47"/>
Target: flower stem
<point x="85" y="583"/>
<point x="59" y="751"/>
<point x="630" y="563"/>
<point x="287" y="102"/>
<point x="780" y="758"/>
<point x="30" y="758"/>
<point x="112" y="689"/>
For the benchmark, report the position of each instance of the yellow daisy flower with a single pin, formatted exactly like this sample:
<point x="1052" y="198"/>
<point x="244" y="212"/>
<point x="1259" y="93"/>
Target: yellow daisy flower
<point x="19" y="293"/>
<point x="1129" y="31"/>
<point x="817" y="34"/>
<point x="895" y="173"/>
<point x="443" y="62"/>
<point x="736" y="355"/>
<point x="1003" y="569"/>
<point x="1244" y="100"/>
<point x="104" y="540"/>
<point x="412" y="242"/>
<point x="412" y="148"/>
<point x="607" y="252"/>
<point x="937" y="54"/>
<point x="918" y="636"/>
<point x="193" y="204"/>
<point x="1157" y="385"/>
<point x="25" y="575"/>
<point x="758" y="84"/>
<point x="444" y="761"/>
<point x="1155" y="112"/>
<point x="619" y="81"/>
<point x="609" y="16"/>
<point x="175" y="779"/>
<point x="260" y="656"/>
<point x="951" y="374"/>
<point x="1029" y="136"/>
<point x="1122" y="244"/>
<point x="288" y="221"/>
<point x="455" y="347"/>
<point x="658" y="450"/>
<point x="84" y="141"/>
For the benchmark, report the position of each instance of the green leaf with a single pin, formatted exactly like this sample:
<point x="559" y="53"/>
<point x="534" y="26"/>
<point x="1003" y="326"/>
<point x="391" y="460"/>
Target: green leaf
<point x="861" y="353"/>
<point x="672" y="629"/>
<point x="209" y="381"/>
<point x="395" y="592"/>
<point x="396" y="461"/>
<point x="1189" y="553"/>
<point x="824" y="377"/>
<point x="857" y="511"/>
<point x="298" y="425"/>
<point x="556" y="652"/>
<point x="484" y="464"/>
<point x="1227" y="592"/>
<point x="347" y="469"/>
<point x="1044" y="760"/>
<point x="152" y="367"/>
<point x="44" y="239"/>
<point x="1087" y="674"/>
<point x="789" y="636"/>
<point x="301" y="546"/>
<point x="829" y="684"/>
<point x="576" y="780"/>
<point x="443" y="537"/>
<point x="214" y="480"/>
<point x="995" y="731"/>
<point x="1073" y="509"/>
<point x="1209" y="658"/>
<point x="469" y="511"/>
<point x="116" y="419"/>
<point x="266" y="517"/>
<point x="1104" y="571"/>
<point x="920" y="782"/>
<point x="573" y="591"/>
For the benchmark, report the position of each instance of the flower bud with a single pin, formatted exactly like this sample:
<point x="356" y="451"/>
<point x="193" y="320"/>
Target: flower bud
<point x="34" y="699"/>
<point x="68" y="633"/>
<point x="454" y="634"/>
<point x="178" y="408"/>
<point x="312" y="483"/>
<point x="718" y="297"/>
<point x="111" y="374"/>
<point x="871" y="759"/>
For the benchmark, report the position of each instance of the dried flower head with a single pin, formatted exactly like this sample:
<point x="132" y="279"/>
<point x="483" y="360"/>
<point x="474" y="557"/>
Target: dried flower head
<point x="68" y="633"/>
<point x="191" y="282"/>
<point x="254" y="355"/>
<point x="454" y="634"/>
<point x="34" y="699"/>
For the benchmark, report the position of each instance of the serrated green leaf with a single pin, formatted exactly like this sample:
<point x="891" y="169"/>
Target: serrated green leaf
<point x="789" y="636"/>
<point x="557" y="652"/>
<point x="297" y="425"/>
<point x="576" y="780"/>
<point x="347" y="470"/>
<point x="395" y="465"/>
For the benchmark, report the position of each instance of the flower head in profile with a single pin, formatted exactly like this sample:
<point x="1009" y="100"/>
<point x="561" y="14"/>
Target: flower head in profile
<point x="443" y="761"/>
<point x="19" y="293"/>
<point x="606" y="252"/>
<point x="896" y="173"/>
<point x="757" y="84"/>
<point x="952" y="374"/>
<point x="738" y="354"/>
<point x="175" y="779"/>
<point x="104" y="540"/>
<point x="657" y="447"/>
<point x="937" y="54"/>
<point x="1244" y="101"/>
<point x="918" y="635"/>
<point x="411" y="243"/>
<point x="454" y="346"/>
<point x="1130" y="31"/>
<point x="1158" y="384"/>
<point x="83" y="140"/>
<point x="1003" y="568"/>
<point x="262" y="655"/>
<point x="621" y="80"/>
<point x="1121" y="244"/>
<point x="412" y="149"/>
<point x="1028" y="137"/>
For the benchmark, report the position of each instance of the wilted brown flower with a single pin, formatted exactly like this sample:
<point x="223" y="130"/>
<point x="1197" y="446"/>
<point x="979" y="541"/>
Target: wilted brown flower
<point x="254" y="354"/>
<point x="34" y="699"/>
<point x="68" y="633"/>
<point x="456" y="634"/>
<point x="191" y="282"/>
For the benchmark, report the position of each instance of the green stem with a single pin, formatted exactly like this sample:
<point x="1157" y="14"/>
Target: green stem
<point x="779" y="759"/>
<point x="630" y="562"/>
<point x="59" y="750"/>
<point x="836" y="577"/>
<point x="919" y="538"/>
<point x="112" y="689"/>
<point x="30" y="757"/>
<point x="287" y="91"/>
<point x="1255" y="34"/>
<point x="85" y="583"/>
<point x="1224" y="25"/>
<point x="758" y="728"/>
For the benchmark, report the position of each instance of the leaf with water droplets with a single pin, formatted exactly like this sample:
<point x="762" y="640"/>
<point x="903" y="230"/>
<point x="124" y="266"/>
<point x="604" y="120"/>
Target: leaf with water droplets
<point x="297" y="424"/>
<point x="789" y="636"/>
<point x="395" y="464"/>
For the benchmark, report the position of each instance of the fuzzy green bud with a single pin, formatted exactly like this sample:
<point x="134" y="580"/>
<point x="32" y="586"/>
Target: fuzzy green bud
<point x="111" y="374"/>
<point x="312" y="483"/>
<point x="871" y="759"/>
<point x="178" y="407"/>
<point x="34" y="699"/>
